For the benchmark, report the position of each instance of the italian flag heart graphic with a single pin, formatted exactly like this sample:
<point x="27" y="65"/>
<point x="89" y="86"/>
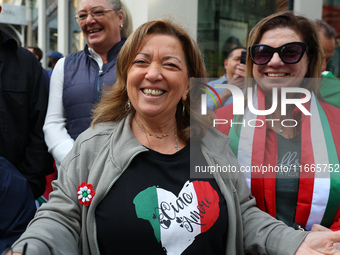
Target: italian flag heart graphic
<point x="177" y="220"/>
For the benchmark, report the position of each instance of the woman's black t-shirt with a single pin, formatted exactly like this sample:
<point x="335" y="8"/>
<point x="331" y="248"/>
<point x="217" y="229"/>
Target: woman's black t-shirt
<point x="156" y="208"/>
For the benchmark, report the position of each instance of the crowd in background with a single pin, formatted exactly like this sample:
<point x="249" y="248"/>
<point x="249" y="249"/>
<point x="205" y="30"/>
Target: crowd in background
<point x="115" y="125"/>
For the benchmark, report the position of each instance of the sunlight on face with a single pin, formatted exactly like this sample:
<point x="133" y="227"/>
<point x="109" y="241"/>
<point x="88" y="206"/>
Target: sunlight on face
<point x="158" y="78"/>
<point x="101" y="33"/>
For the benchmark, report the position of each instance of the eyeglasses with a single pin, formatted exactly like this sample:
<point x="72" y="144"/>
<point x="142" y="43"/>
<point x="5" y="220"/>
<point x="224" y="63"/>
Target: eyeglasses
<point x="290" y="53"/>
<point x="95" y="13"/>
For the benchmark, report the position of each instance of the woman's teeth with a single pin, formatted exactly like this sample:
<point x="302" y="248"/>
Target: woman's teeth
<point x="153" y="92"/>
<point x="94" y="31"/>
<point x="276" y="74"/>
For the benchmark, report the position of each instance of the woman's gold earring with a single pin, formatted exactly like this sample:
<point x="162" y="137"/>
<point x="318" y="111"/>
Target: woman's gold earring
<point x="183" y="109"/>
<point x="121" y="26"/>
<point x="128" y="106"/>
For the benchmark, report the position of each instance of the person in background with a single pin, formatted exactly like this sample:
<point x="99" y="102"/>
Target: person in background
<point x="49" y="178"/>
<point x="135" y="193"/>
<point x="327" y="36"/>
<point x="53" y="58"/>
<point x="330" y="85"/>
<point x="78" y="79"/>
<point x="24" y="159"/>
<point x="234" y="73"/>
<point x="39" y="54"/>
<point x="284" y="52"/>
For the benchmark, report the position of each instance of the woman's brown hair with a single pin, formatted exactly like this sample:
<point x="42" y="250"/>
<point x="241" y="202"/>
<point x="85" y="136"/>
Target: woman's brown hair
<point x="305" y="29"/>
<point x="113" y="105"/>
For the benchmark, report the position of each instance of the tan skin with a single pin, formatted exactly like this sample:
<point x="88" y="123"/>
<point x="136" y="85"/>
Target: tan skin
<point x="328" y="46"/>
<point x="235" y="71"/>
<point x="101" y="33"/>
<point x="53" y="62"/>
<point x="156" y="82"/>
<point x="317" y="227"/>
<point x="317" y="243"/>
<point x="276" y="73"/>
<point x="31" y="50"/>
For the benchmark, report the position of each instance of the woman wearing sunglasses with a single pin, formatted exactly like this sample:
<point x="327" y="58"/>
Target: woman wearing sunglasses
<point x="291" y="158"/>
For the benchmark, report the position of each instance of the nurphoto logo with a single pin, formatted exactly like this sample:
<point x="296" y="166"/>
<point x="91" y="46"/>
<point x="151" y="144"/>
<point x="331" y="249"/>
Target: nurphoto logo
<point x="242" y="102"/>
<point x="238" y="100"/>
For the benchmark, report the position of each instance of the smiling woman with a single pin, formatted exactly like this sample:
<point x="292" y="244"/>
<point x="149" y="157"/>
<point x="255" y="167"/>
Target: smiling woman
<point x="126" y="188"/>
<point x="78" y="79"/>
<point x="285" y="53"/>
<point x="163" y="72"/>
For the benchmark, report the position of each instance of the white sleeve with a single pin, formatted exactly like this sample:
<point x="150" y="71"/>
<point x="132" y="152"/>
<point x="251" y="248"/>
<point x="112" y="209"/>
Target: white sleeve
<point x="57" y="139"/>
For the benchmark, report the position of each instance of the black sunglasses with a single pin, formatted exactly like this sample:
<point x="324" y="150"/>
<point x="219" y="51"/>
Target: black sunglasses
<point x="290" y="53"/>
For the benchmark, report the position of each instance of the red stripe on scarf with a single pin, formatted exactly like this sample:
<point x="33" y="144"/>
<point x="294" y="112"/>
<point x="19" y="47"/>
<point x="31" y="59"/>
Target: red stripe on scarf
<point x="262" y="184"/>
<point x="270" y="180"/>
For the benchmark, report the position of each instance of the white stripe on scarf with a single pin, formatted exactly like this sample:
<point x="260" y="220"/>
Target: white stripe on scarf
<point x="321" y="189"/>
<point x="245" y="146"/>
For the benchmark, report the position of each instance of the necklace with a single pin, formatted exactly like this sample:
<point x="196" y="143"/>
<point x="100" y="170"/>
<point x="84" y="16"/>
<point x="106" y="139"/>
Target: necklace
<point x="156" y="136"/>
<point x="287" y="131"/>
<point x="281" y="130"/>
<point x="146" y="132"/>
<point x="281" y="126"/>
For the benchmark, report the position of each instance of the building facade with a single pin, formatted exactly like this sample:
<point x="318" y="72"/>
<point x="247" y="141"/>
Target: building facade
<point x="215" y="24"/>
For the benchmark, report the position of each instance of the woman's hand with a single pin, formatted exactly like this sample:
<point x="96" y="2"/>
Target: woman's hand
<point x="9" y="251"/>
<point x="317" y="227"/>
<point x="320" y="242"/>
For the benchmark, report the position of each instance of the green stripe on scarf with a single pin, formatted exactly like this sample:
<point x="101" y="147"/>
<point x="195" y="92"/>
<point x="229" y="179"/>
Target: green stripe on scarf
<point x="334" y="198"/>
<point x="234" y="135"/>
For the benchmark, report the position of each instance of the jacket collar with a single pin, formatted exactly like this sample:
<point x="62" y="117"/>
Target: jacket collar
<point x="214" y="143"/>
<point x="124" y="145"/>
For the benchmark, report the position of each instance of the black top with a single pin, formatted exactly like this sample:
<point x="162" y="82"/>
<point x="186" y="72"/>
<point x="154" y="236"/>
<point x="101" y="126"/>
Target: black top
<point x="287" y="180"/>
<point x="23" y="106"/>
<point x="156" y="208"/>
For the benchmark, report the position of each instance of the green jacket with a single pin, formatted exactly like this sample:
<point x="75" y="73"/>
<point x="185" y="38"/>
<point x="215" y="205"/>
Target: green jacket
<point x="101" y="155"/>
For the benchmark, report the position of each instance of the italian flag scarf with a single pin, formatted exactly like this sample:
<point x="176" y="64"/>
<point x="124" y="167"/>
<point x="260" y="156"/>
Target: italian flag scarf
<point x="319" y="184"/>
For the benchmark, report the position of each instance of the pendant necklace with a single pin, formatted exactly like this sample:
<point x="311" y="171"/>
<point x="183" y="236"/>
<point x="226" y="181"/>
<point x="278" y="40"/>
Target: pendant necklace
<point x="281" y="130"/>
<point x="146" y="132"/>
